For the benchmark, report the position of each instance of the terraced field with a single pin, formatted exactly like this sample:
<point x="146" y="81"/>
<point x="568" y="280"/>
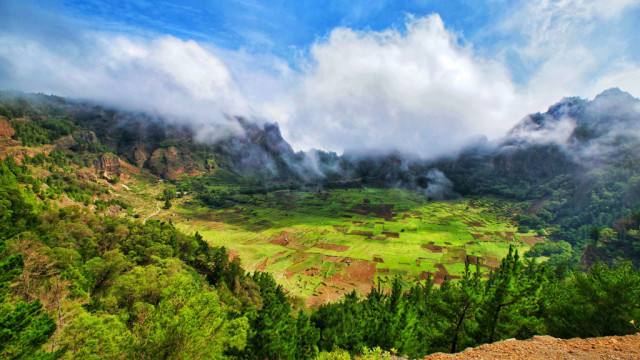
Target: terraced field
<point x="323" y="245"/>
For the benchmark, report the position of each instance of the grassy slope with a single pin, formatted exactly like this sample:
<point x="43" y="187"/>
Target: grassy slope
<point x="321" y="246"/>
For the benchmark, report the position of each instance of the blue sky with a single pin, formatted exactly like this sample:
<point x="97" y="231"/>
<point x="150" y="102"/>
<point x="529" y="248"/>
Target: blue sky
<point x="274" y="25"/>
<point x="422" y="76"/>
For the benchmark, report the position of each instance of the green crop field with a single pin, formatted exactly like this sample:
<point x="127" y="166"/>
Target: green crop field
<point x="322" y="245"/>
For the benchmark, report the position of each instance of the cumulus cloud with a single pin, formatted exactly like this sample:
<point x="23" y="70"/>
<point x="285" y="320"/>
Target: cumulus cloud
<point x="417" y="90"/>
<point x="179" y="80"/>
<point x="420" y="89"/>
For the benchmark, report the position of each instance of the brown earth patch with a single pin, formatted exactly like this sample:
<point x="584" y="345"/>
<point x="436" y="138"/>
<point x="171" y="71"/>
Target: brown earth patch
<point x="547" y="347"/>
<point x="510" y="233"/>
<point x="379" y="238"/>
<point x="330" y="258"/>
<point x="129" y="167"/>
<point x="378" y="259"/>
<point x="362" y="271"/>
<point x="283" y="239"/>
<point x="232" y="254"/>
<point x="6" y="130"/>
<point x="289" y="275"/>
<point x="477" y="236"/>
<point x="311" y="272"/>
<point x="530" y="240"/>
<point x="391" y="234"/>
<point x="332" y="247"/>
<point x="383" y="270"/>
<point x="474" y="223"/>
<point x="300" y="256"/>
<point x="340" y="229"/>
<point x="384" y="211"/>
<point x="442" y="273"/>
<point x="263" y="265"/>
<point x="433" y="248"/>
<point x="473" y="259"/>
<point x="361" y="233"/>
<point x="442" y="269"/>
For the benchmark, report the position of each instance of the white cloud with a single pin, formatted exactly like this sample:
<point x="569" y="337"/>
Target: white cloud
<point x="568" y="44"/>
<point x="417" y="91"/>
<point x="166" y="76"/>
<point x="420" y="89"/>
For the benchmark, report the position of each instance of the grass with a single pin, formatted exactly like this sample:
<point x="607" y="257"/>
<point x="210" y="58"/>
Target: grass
<point x="322" y="245"/>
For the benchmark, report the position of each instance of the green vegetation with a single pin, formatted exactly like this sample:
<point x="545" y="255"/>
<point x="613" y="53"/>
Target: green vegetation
<point x="92" y="267"/>
<point x="320" y="245"/>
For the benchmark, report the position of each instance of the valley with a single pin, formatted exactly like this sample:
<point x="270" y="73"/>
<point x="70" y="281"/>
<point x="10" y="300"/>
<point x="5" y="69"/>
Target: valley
<point x="117" y="228"/>
<point x="321" y="245"/>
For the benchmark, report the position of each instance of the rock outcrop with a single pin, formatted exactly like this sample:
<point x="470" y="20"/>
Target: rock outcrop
<point x="170" y="163"/>
<point x="109" y="163"/>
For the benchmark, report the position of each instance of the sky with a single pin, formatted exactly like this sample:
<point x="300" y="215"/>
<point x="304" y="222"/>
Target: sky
<point x="424" y="77"/>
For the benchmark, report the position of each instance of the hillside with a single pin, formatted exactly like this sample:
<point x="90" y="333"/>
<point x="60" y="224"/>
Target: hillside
<point x="117" y="228"/>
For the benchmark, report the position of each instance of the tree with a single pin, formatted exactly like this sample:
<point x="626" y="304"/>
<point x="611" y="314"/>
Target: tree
<point x="24" y="328"/>
<point x="459" y="302"/>
<point x="511" y="299"/>
<point x="600" y="303"/>
<point x="273" y="328"/>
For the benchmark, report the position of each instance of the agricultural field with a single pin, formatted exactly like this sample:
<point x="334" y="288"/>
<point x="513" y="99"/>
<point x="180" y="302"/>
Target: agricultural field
<point x="322" y="245"/>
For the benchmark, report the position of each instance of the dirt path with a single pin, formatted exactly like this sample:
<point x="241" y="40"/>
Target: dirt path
<point x="547" y="347"/>
<point x="152" y="215"/>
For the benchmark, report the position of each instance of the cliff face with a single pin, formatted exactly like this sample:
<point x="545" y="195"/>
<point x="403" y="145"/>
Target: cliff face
<point x="547" y="347"/>
<point x="109" y="163"/>
<point x="169" y="163"/>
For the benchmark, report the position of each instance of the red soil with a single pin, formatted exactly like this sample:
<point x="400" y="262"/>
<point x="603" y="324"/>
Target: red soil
<point x="332" y="247"/>
<point x="546" y="347"/>
<point x="263" y="265"/>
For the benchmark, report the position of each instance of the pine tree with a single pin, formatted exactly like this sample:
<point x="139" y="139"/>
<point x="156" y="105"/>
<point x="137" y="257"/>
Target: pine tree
<point x="511" y="301"/>
<point x="273" y="328"/>
<point x="459" y="302"/>
<point x="24" y="328"/>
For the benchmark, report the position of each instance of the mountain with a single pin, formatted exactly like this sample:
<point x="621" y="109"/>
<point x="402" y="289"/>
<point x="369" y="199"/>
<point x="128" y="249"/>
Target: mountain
<point x="577" y="165"/>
